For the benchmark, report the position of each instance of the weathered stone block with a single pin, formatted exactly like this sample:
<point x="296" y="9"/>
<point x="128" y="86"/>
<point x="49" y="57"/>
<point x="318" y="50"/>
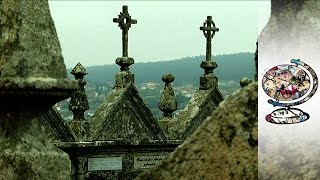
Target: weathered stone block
<point x="208" y="81"/>
<point x="123" y="78"/>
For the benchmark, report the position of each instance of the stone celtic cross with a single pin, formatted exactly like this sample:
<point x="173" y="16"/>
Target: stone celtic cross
<point x="125" y="21"/>
<point x="209" y="30"/>
<point x="208" y="80"/>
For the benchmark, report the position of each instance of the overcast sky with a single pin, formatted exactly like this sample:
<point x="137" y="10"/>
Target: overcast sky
<point x="165" y="30"/>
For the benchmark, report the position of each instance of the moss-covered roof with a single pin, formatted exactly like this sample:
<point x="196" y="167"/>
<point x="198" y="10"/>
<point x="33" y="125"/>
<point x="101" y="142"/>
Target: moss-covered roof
<point x="124" y="116"/>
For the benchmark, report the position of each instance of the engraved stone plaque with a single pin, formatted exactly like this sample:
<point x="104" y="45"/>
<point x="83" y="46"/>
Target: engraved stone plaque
<point x="108" y="163"/>
<point x="146" y="162"/>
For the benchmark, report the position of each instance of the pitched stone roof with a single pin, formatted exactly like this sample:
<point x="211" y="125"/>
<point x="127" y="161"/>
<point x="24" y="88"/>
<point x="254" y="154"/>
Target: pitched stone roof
<point x="124" y="115"/>
<point x="56" y="128"/>
<point x="197" y="110"/>
<point x="224" y="147"/>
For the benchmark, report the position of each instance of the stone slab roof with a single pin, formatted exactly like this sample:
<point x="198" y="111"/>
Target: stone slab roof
<point x="56" y="128"/>
<point x="124" y="116"/>
<point x="197" y="110"/>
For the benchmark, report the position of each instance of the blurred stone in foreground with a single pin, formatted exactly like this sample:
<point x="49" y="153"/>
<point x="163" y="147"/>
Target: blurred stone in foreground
<point x="32" y="80"/>
<point x="224" y="147"/>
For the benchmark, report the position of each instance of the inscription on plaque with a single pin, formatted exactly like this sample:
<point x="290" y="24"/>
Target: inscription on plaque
<point x="146" y="162"/>
<point x="108" y="163"/>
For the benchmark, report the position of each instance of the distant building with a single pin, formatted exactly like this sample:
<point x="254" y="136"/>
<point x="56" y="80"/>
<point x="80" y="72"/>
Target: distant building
<point x="151" y="85"/>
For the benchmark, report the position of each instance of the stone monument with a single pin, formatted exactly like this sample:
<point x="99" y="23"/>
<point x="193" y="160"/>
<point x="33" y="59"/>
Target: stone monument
<point x="123" y="115"/>
<point x="168" y="104"/>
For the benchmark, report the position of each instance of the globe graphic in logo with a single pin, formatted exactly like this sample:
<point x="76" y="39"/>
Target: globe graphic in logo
<point x="289" y="85"/>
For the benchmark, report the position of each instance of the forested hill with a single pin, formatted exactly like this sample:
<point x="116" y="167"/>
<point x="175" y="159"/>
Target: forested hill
<point x="186" y="70"/>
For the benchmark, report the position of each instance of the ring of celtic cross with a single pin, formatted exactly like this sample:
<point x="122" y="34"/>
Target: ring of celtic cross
<point x="124" y="20"/>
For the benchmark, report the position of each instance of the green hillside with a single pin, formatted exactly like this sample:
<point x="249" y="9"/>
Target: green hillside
<point x="186" y="70"/>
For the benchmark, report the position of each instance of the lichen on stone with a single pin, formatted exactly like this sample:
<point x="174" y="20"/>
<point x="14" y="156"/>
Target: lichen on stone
<point x="224" y="147"/>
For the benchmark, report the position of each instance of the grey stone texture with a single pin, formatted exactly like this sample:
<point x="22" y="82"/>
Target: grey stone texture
<point x="32" y="80"/>
<point x="225" y="146"/>
<point x="168" y="126"/>
<point x="79" y="104"/>
<point x="56" y="128"/>
<point x="197" y="110"/>
<point x="244" y="82"/>
<point x="25" y="151"/>
<point x="168" y="101"/>
<point x="29" y="44"/>
<point x="124" y="115"/>
<point x="168" y="104"/>
<point x="135" y="156"/>
<point x="123" y="78"/>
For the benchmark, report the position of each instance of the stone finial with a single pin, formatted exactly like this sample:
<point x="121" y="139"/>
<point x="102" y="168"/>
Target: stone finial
<point x="168" y="102"/>
<point x="124" y="76"/>
<point x="79" y="71"/>
<point x="208" y="80"/>
<point x="244" y="82"/>
<point x="32" y="79"/>
<point x="79" y="103"/>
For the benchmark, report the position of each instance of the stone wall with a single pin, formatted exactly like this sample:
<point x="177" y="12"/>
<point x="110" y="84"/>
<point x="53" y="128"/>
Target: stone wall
<point x="122" y="160"/>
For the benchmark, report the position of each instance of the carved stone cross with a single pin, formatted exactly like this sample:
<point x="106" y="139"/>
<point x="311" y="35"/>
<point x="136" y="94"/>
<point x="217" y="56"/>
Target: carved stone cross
<point x="209" y="30"/>
<point x="125" y="21"/>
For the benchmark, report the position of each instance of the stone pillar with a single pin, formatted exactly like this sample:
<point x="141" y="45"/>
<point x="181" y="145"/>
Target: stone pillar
<point x="125" y="76"/>
<point x="32" y="80"/>
<point x="79" y="104"/>
<point x="168" y="104"/>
